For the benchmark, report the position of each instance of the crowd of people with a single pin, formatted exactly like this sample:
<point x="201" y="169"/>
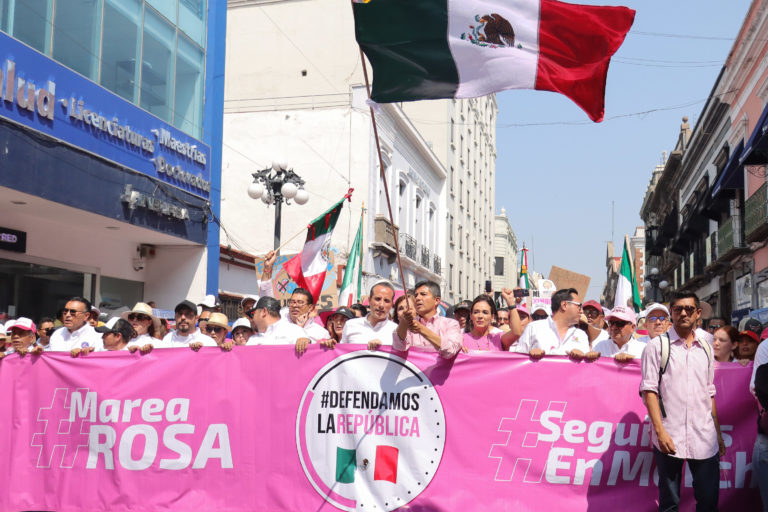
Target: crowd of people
<point x="668" y="340"/>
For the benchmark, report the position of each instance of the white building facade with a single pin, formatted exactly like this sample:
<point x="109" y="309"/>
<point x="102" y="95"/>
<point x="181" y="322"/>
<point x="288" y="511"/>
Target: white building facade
<point x="505" y="261"/>
<point x="297" y="96"/>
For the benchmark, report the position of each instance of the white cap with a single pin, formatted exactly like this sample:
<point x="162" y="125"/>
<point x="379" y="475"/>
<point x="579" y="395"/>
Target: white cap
<point x="241" y="322"/>
<point x="210" y="301"/>
<point x="654" y="306"/>
<point x="254" y="298"/>
<point x="111" y="322"/>
<point x="545" y="307"/>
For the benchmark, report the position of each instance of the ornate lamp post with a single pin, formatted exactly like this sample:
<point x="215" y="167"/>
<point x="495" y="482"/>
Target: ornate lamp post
<point x="656" y="283"/>
<point x="275" y="185"/>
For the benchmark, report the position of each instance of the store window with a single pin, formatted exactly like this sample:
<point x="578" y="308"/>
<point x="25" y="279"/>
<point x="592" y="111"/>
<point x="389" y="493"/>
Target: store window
<point x="28" y="21"/>
<point x="498" y="268"/>
<point x="77" y="33"/>
<point x="120" y="50"/>
<point x="157" y="66"/>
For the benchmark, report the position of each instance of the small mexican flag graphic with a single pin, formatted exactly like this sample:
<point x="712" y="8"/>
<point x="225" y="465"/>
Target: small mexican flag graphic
<point x="385" y="467"/>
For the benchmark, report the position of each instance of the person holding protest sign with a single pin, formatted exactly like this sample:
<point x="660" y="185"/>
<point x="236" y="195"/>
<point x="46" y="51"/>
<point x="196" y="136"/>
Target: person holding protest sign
<point x="679" y="392"/>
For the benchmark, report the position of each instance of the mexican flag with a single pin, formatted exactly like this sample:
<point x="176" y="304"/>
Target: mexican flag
<point x="627" y="293"/>
<point x="524" y="270"/>
<point x="308" y="267"/>
<point x="465" y="48"/>
<point x="353" y="274"/>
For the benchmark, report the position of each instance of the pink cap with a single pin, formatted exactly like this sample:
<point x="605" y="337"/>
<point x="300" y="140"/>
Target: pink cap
<point x="623" y="313"/>
<point x="23" y="323"/>
<point x="522" y="308"/>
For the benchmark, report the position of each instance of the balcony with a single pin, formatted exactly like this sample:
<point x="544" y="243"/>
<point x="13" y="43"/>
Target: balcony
<point x="436" y="264"/>
<point x="408" y="246"/>
<point x="729" y="239"/>
<point x="756" y="215"/>
<point x="425" y="257"/>
<point x="384" y="232"/>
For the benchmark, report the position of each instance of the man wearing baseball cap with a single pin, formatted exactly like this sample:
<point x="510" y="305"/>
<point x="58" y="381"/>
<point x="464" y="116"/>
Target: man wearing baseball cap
<point x="657" y="321"/>
<point x="271" y="329"/>
<point x="22" y="336"/>
<point x="748" y="342"/>
<point x="186" y="332"/>
<point x="595" y="320"/>
<point x="622" y="346"/>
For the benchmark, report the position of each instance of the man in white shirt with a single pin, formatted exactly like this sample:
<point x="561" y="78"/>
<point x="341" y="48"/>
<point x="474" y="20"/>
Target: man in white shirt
<point x="374" y="329"/>
<point x="186" y="334"/>
<point x="558" y="334"/>
<point x="300" y="306"/>
<point x="273" y="330"/>
<point x="621" y="345"/>
<point x="77" y="332"/>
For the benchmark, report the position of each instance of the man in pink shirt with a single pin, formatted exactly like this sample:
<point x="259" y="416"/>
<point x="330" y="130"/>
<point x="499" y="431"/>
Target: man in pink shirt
<point x="421" y="327"/>
<point x="681" y="405"/>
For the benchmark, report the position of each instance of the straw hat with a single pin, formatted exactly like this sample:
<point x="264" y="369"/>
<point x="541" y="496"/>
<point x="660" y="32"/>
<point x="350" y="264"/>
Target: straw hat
<point x="144" y="309"/>
<point x="219" y="320"/>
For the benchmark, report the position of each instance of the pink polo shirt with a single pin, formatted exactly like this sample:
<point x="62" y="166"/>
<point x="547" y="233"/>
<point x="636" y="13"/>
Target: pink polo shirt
<point x="490" y="341"/>
<point x="687" y="388"/>
<point x="447" y="328"/>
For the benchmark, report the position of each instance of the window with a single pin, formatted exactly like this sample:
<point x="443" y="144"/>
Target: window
<point x="76" y="35"/>
<point x="460" y="283"/>
<point x="157" y="66"/>
<point x="120" y="51"/>
<point x="28" y="21"/>
<point x="188" y="97"/>
<point x="453" y="129"/>
<point x="450" y="179"/>
<point x="498" y="268"/>
<point x="450" y="228"/>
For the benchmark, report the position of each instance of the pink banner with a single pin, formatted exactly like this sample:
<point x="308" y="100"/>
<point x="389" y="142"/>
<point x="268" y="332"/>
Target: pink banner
<point x="264" y="429"/>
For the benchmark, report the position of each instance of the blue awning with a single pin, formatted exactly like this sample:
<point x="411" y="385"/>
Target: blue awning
<point x="756" y="150"/>
<point x="733" y="174"/>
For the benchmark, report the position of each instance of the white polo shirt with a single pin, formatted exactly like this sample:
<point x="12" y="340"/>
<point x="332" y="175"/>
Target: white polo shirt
<point x="144" y="339"/>
<point x="608" y="348"/>
<point x="175" y="340"/>
<point x="542" y="334"/>
<point x="86" y="336"/>
<point x="282" y="332"/>
<point x="360" y="331"/>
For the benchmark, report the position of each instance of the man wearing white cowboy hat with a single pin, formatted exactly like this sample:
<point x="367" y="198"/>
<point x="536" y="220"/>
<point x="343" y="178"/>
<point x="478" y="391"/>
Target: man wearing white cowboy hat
<point x="621" y="345"/>
<point x="145" y="324"/>
<point x="216" y="330"/>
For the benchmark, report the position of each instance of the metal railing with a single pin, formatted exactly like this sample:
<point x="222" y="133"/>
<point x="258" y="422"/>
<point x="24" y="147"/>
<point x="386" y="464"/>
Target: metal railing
<point x="425" y="257"/>
<point x="756" y="210"/>
<point x="437" y="264"/>
<point x="408" y="246"/>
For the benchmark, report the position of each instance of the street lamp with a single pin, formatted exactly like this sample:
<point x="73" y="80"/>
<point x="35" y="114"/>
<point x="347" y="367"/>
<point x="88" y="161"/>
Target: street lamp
<point x="656" y="283"/>
<point x="275" y="185"/>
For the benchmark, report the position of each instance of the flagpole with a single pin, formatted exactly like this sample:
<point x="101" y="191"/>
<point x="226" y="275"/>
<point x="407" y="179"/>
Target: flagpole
<point x="362" y="237"/>
<point x="382" y="173"/>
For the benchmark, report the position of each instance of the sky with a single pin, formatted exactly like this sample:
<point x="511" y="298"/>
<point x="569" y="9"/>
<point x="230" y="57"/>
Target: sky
<point x="559" y="176"/>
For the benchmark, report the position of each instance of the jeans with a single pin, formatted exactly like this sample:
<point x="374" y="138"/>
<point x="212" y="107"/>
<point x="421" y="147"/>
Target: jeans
<point x="760" y="467"/>
<point x="706" y="481"/>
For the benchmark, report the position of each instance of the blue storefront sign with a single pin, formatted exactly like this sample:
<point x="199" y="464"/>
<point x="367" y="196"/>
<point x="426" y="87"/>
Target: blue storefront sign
<point x="47" y="97"/>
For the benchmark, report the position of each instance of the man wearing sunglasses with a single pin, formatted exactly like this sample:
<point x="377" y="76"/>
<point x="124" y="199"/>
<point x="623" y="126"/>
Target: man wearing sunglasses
<point x="45" y="328"/>
<point x="656" y="321"/>
<point x="271" y="329"/>
<point x="216" y="329"/>
<point x="77" y="332"/>
<point x="595" y="320"/>
<point x="681" y="405"/>
<point x="558" y="334"/>
<point x="622" y="346"/>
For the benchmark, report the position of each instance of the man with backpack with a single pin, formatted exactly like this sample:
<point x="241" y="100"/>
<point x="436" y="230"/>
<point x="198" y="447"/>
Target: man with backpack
<point x="759" y="387"/>
<point x="678" y="390"/>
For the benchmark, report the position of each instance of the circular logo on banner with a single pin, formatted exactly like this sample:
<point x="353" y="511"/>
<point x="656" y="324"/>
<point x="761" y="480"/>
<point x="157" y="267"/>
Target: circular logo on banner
<point x="370" y="431"/>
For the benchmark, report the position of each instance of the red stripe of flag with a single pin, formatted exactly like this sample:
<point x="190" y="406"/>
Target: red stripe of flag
<point x="386" y="463"/>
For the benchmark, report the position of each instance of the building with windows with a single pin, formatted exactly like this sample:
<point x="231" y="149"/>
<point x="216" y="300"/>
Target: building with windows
<point x="110" y="137"/>
<point x="462" y="133"/>
<point x="299" y="96"/>
<point x="505" y="261"/>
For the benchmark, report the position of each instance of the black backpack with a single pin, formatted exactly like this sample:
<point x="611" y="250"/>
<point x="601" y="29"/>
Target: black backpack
<point x="761" y="392"/>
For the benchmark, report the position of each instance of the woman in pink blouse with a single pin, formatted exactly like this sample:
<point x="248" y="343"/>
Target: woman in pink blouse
<point x="482" y="335"/>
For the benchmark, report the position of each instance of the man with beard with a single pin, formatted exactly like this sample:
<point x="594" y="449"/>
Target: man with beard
<point x="374" y="329"/>
<point x="186" y="333"/>
<point x="679" y="394"/>
<point x="421" y="327"/>
<point x="77" y="332"/>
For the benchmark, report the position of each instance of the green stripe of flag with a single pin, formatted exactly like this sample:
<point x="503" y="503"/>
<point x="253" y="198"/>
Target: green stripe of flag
<point x="407" y="45"/>
<point x="346" y="461"/>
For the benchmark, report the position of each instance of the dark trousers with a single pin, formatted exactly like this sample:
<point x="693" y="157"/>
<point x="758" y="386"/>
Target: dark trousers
<point x="706" y="481"/>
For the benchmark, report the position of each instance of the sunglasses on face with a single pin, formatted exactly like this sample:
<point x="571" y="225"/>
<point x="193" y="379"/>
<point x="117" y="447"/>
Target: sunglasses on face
<point x="714" y="327"/>
<point x="138" y="316"/>
<point x="577" y="304"/>
<point x="657" y="318"/>
<point x="212" y="328"/>
<point x="48" y="331"/>
<point x="73" y="312"/>
<point x="591" y="313"/>
<point x="539" y="317"/>
<point x="689" y="310"/>
<point x="618" y="323"/>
